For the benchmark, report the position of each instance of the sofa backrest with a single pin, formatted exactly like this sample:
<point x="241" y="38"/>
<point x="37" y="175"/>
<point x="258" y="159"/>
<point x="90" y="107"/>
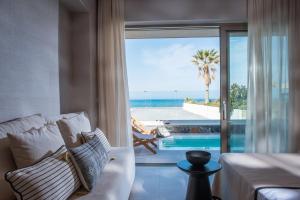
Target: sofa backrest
<point x="19" y="125"/>
<point x="55" y="119"/>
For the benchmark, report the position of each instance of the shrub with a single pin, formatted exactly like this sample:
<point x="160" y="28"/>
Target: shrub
<point x="189" y="100"/>
<point x="238" y="97"/>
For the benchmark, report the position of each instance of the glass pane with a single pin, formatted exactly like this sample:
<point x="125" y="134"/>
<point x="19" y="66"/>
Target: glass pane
<point x="169" y="92"/>
<point x="237" y="90"/>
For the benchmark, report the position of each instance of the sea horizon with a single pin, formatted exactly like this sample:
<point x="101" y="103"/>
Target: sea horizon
<point x="159" y="102"/>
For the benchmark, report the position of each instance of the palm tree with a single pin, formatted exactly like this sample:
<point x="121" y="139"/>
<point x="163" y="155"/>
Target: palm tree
<point x="206" y="60"/>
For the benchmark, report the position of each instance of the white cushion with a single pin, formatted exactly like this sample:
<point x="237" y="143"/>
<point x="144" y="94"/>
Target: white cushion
<point x="71" y="129"/>
<point x="116" y="179"/>
<point x="19" y="125"/>
<point x="54" y="177"/>
<point x="35" y="144"/>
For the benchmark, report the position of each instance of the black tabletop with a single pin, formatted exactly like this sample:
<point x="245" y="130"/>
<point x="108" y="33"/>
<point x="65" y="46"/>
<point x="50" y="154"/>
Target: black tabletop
<point x="210" y="168"/>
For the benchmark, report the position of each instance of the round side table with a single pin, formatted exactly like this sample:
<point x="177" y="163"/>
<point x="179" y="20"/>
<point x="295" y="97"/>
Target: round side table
<point x="198" y="186"/>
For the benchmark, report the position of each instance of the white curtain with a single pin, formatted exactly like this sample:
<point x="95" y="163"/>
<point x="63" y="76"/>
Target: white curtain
<point x="273" y="116"/>
<point x="113" y="103"/>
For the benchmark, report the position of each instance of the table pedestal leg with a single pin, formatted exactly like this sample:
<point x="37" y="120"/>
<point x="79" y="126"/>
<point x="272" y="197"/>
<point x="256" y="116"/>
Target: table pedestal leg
<point x="198" y="188"/>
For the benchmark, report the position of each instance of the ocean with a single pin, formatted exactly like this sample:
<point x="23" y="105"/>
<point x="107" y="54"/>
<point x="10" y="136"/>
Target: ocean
<point x="138" y="103"/>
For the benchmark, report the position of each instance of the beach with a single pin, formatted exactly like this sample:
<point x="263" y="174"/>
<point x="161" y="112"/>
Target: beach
<point x="178" y="109"/>
<point x="164" y="113"/>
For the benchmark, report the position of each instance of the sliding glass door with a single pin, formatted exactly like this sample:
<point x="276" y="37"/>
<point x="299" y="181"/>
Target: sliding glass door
<point x="174" y="88"/>
<point x="234" y="87"/>
<point x="237" y="90"/>
<point x="171" y="89"/>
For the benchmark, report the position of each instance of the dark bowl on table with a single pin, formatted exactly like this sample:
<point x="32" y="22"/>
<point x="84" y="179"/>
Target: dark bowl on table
<point x="198" y="158"/>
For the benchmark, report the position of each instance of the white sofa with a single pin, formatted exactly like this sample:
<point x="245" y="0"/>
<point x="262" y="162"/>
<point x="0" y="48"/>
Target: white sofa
<point x="116" y="180"/>
<point x="114" y="183"/>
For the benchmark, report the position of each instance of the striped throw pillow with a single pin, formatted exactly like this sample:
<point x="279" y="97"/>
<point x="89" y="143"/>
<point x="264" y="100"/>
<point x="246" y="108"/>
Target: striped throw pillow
<point x="89" y="135"/>
<point x="90" y="159"/>
<point x="54" y="177"/>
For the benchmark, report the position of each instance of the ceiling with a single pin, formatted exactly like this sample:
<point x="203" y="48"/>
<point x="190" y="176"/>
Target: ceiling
<point x="171" y="32"/>
<point x="185" y="11"/>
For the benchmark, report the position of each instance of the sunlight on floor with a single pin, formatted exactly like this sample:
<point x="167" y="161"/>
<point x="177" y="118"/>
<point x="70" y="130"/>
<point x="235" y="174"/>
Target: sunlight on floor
<point x="159" y="183"/>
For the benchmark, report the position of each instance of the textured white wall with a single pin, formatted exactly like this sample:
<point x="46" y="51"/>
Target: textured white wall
<point x="29" y="80"/>
<point x="65" y="59"/>
<point x="77" y="60"/>
<point x="198" y="11"/>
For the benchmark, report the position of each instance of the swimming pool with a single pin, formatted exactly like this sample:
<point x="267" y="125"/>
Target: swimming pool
<point x="188" y="142"/>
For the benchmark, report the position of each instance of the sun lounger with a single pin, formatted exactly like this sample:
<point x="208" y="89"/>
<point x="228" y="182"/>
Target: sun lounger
<point x="145" y="140"/>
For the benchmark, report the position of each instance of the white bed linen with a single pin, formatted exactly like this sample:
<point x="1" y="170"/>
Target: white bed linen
<point x="243" y="173"/>
<point x="278" y="194"/>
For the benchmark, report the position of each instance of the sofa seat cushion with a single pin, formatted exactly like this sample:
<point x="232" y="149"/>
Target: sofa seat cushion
<point x="116" y="179"/>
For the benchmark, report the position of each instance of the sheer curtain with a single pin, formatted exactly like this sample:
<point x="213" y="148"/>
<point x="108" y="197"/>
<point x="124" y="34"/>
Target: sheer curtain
<point x="273" y="112"/>
<point x="113" y="113"/>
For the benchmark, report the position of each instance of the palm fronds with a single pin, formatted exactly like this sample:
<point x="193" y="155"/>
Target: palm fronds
<point x="205" y="60"/>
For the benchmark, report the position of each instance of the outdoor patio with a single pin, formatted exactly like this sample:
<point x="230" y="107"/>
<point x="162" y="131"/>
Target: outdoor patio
<point x="164" y="157"/>
<point x="178" y="122"/>
<point x="164" y="113"/>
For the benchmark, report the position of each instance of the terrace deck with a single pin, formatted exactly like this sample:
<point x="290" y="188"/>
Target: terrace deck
<point x="164" y="157"/>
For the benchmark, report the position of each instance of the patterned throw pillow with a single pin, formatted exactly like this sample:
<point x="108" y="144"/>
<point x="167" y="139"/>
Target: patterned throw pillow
<point x="90" y="159"/>
<point x="54" y="177"/>
<point x="89" y="135"/>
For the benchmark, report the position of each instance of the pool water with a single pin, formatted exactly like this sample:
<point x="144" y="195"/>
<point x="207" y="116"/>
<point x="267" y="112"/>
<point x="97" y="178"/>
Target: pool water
<point x="187" y="142"/>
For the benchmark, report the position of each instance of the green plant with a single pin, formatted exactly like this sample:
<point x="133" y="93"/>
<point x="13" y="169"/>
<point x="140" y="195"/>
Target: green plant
<point x="206" y="60"/>
<point x="189" y="100"/>
<point x="238" y="97"/>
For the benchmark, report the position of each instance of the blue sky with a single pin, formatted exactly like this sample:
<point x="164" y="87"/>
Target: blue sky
<point x="162" y="66"/>
<point x="238" y="60"/>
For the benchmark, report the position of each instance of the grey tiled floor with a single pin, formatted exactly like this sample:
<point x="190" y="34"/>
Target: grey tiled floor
<point x="159" y="183"/>
<point x="157" y="177"/>
<point x="142" y="155"/>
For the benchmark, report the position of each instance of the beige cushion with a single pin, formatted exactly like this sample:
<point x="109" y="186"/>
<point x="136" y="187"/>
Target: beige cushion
<point x="35" y="144"/>
<point x="71" y="129"/>
<point x="54" y="177"/>
<point x="19" y="125"/>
